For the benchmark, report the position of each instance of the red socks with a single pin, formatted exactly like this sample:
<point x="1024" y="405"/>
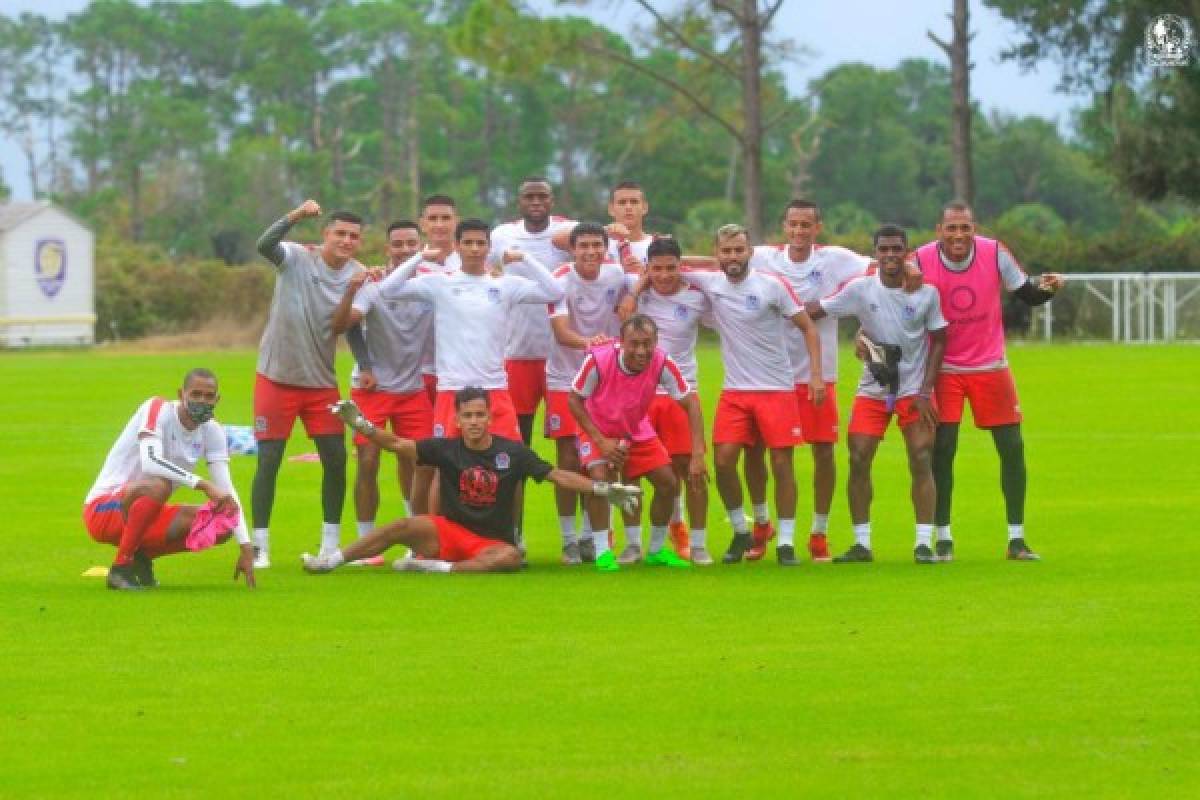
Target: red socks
<point x="142" y="513"/>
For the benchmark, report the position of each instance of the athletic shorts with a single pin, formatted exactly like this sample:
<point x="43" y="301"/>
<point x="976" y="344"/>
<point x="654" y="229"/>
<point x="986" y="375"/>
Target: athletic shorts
<point x="560" y="422"/>
<point x="457" y="543"/>
<point x="430" y="382"/>
<point x="870" y="417"/>
<point x="644" y="456"/>
<point x="276" y="406"/>
<point x="750" y="417"/>
<point x="670" y="422"/>
<point x="104" y="521"/>
<point x="410" y="413"/>
<point x="526" y="383"/>
<point x="992" y="394"/>
<point x="819" y="424"/>
<point x="504" y="419"/>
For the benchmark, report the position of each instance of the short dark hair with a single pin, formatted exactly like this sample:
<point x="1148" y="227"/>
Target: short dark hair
<point x="639" y="322"/>
<point x="471" y="224"/>
<point x="402" y="224"/>
<point x="469" y="393"/>
<point x="439" y="200"/>
<point x="664" y="246"/>
<point x="534" y="179"/>
<point x="625" y="185"/>
<point x="198" y="372"/>
<point x="956" y="205"/>
<point x="345" y="216"/>
<point x="889" y="230"/>
<point x="801" y="203"/>
<point x="588" y="229"/>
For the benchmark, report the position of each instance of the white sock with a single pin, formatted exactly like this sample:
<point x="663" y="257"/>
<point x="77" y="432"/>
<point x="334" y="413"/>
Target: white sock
<point x="697" y="537"/>
<point x="677" y="514"/>
<point x="600" y="542"/>
<point x="737" y="518"/>
<point x="943" y="533"/>
<point x="567" y="526"/>
<point x="633" y="535"/>
<point x="787" y="532"/>
<point x="261" y="540"/>
<point x="820" y="523"/>
<point x="762" y="513"/>
<point x="587" y="523"/>
<point x="365" y="527"/>
<point x="331" y="535"/>
<point x="658" y="537"/>
<point x="924" y="534"/>
<point x="407" y="507"/>
<point x="1016" y="532"/>
<point x="862" y="535"/>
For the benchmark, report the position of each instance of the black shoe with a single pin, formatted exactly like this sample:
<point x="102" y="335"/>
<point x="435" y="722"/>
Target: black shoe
<point x="856" y="554"/>
<point x="1019" y="551"/>
<point x="922" y="554"/>
<point x="737" y="548"/>
<point x="143" y="570"/>
<point x="785" y="554"/>
<point x="587" y="550"/>
<point x="944" y="550"/>
<point x="120" y="576"/>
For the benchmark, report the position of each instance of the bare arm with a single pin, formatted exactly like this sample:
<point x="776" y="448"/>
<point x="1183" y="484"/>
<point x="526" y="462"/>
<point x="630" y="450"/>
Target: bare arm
<point x="345" y="315"/>
<point x="219" y="471"/>
<point x="609" y="448"/>
<point x="697" y="469"/>
<point x="348" y="412"/>
<point x="923" y="404"/>
<point x="565" y="335"/>
<point x="814" y="310"/>
<point x="812" y="342"/>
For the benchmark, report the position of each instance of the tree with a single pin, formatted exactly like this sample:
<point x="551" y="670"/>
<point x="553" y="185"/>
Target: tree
<point x="957" y="50"/>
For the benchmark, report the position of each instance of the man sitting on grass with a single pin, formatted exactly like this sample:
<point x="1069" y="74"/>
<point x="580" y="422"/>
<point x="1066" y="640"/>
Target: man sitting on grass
<point x="479" y="475"/>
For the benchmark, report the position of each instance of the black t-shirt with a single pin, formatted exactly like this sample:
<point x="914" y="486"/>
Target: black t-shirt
<point x="478" y="486"/>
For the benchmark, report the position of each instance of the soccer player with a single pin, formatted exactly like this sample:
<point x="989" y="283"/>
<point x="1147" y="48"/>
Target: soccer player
<point x="609" y="399"/>
<point x="758" y="401"/>
<point x="528" y="338"/>
<point x="628" y="240"/>
<point x="295" y="363"/>
<point x="155" y="454"/>
<point x="479" y="475"/>
<point x="812" y="271"/>
<point x="908" y="328"/>
<point x="969" y="272"/>
<point x="439" y="218"/>
<point x="585" y="316"/>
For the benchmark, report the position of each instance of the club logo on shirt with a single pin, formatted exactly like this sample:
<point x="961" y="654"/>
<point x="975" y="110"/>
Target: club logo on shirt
<point x="260" y="424"/>
<point x="610" y="295"/>
<point x="554" y="422"/>
<point x="962" y="298"/>
<point x="439" y="430"/>
<point x="815" y="276"/>
<point x="315" y="280"/>
<point x="493" y="295"/>
<point x="874" y="308"/>
<point x="681" y="312"/>
<point x="477" y="486"/>
<point x="908" y="313"/>
<point x="752" y="302"/>
<point x="585" y="449"/>
<point x="502" y="461"/>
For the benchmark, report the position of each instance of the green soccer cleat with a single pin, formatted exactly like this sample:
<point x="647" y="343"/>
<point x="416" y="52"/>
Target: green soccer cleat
<point x="923" y="554"/>
<point x="855" y="555"/>
<point x="607" y="562"/>
<point x="1019" y="551"/>
<point x="667" y="558"/>
<point x="943" y="550"/>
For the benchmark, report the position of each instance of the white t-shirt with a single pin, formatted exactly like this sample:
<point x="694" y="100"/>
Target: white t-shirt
<point x="891" y="316"/>
<point x="396" y="332"/>
<point x="590" y="308"/>
<point x="678" y="317"/>
<point x="638" y="249"/>
<point x="820" y="275"/>
<point x="428" y="352"/>
<point x="528" y="335"/>
<point x="751" y="316"/>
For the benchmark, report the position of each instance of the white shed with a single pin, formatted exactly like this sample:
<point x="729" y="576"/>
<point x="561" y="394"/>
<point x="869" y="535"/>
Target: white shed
<point x="47" y="281"/>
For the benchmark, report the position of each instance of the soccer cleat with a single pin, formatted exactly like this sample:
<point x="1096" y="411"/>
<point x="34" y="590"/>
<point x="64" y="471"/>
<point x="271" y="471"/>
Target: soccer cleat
<point x="607" y="562"/>
<point x="943" y="550"/>
<point x="701" y="557"/>
<point x="680" y="539"/>
<point x="737" y="548"/>
<point x="763" y="533"/>
<point x="570" y="554"/>
<point x="372" y="561"/>
<point x="587" y="550"/>
<point x="818" y="548"/>
<point x="667" y="558"/>
<point x="318" y="564"/>
<point x="631" y="554"/>
<point x="121" y="576"/>
<point x="143" y="570"/>
<point x="785" y="554"/>
<point x="407" y="563"/>
<point x="1019" y="551"/>
<point x="923" y="554"/>
<point x="262" y="558"/>
<point x="855" y="555"/>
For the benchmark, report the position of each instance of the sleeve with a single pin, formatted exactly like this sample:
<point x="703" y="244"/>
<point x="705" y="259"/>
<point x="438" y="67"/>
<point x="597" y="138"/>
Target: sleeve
<point x="671" y="380"/>
<point x="402" y="283"/>
<point x="587" y="379"/>
<point x="760" y="258"/>
<point x="431" y="452"/>
<point x="270" y="244"/>
<point x="216" y="445"/>
<point x="154" y="463"/>
<point x="357" y="342"/>
<point x="538" y="285"/>
<point x="218" y="471"/>
<point x="559" y="309"/>
<point x="366" y="298"/>
<point x="848" y="265"/>
<point x="843" y="302"/>
<point x="934" y="321"/>
<point x="1011" y="274"/>
<point x="789" y="304"/>
<point x="533" y="465"/>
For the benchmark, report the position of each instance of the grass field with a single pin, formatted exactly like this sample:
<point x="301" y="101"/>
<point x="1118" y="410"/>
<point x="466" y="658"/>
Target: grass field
<point x="1076" y="676"/>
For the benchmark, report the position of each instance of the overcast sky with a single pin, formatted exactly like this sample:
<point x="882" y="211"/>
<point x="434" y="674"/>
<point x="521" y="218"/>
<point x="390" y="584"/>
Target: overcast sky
<point x="878" y="32"/>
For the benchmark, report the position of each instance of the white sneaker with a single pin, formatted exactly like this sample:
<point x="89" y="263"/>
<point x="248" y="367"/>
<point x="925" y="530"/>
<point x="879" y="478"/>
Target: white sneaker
<point x="262" y="558"/>
<point x="701" y="557"/>
<point x="317" y="564"/>
<point x="326" y="552"/>
<point x="407" y="564"/>
<point x="632" y="554"/>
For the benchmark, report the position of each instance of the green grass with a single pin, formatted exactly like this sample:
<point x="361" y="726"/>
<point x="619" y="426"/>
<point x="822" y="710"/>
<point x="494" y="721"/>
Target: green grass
<point x="1075" y="676"/>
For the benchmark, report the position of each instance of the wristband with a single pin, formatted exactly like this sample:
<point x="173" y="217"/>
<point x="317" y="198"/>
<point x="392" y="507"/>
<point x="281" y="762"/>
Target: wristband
<point x="364" y="426"/>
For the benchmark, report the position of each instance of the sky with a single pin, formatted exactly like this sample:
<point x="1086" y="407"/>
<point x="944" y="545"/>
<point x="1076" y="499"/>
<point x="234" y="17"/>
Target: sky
<point x="877" y="32"/>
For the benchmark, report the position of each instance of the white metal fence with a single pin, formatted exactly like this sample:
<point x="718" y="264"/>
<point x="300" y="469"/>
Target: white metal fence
<point x="1123" y="307"/>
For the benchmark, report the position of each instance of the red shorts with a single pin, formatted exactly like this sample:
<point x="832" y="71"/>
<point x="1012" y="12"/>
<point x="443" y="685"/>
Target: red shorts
<point x="430" y="382"/>
<point x="410" y="414"/>
<point x="457" y="543"/>
<point x="819" y="424"/>
<point x="749" y="417"/>
<point x="870" y="417"/>
<point x="504" y="419"/>
<point x="560" y="422"/>
<point x="276" y="406"/>
<point x="526" y="383"/>
<point x="670" y="422"/>
<point x="992" y="394"/>
<point x="644" y="456"/>
<point x="104" y="521"/>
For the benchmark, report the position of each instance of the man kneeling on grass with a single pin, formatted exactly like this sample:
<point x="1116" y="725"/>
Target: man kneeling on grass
<point x="478" y="475"/>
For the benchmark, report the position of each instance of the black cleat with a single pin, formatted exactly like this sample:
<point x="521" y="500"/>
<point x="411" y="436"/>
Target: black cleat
<point x="785" y="554"/>
<point x="737" y="548"/>
<point x="922" y="554"/>
<point x="120" y="576"/>
<point x="143" y="570"/>
<point x="855" y="555"/>
<point x="1019" y="551"/>
<point x="587" y="550"/>
<point x="943" y="550"/>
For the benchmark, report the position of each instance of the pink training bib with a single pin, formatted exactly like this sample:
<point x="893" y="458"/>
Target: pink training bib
<point x="208" y="525"/>
<point x="970" y="303"/>
<point x="618" y="405"/>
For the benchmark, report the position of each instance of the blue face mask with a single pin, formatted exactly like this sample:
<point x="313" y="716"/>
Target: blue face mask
<point x="200" y="412"/>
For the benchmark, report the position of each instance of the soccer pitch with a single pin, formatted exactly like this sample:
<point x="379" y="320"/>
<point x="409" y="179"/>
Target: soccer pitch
<point x="1075" y="676"/>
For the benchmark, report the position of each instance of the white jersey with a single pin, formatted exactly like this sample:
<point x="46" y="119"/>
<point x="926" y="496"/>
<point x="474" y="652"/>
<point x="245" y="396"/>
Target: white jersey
<point x="891" y="316"/>
<point x="678" y="317"/>
<point x="751" y="316"/>
<point x="428" y="352"/>
<point x="396" y="332"/>
<point x="528" y="335"/>
<point x="825" y="270"/>
<point x="590" y="308"/>
<point x="638" y="248"/>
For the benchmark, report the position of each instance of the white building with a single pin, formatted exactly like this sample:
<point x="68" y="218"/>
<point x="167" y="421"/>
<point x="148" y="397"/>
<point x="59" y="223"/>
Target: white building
<point x="46" y="277"/>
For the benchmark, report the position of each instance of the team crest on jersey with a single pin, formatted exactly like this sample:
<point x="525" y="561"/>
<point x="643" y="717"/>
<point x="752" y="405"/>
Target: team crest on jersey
<point x="752" y="302"/>
<point x="874" y="308"/>
<point x="554" y="422"/>
<point x="502" y="461"/>
<point x="260" y="424"/>
<point x="815" y="276"/>
<point x="315" y="280"/>
<point x="908" y="313"/>
<point x="439" y="430"/>
<point x="610" y="296"/>
<point x="681" y="312"/>
<point x="585" y="449"/>
<point x="493" y="295"/>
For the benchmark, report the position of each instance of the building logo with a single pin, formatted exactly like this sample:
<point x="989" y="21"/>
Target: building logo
<point x="50" y="265"/>
<point x="1169" y="41"/>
